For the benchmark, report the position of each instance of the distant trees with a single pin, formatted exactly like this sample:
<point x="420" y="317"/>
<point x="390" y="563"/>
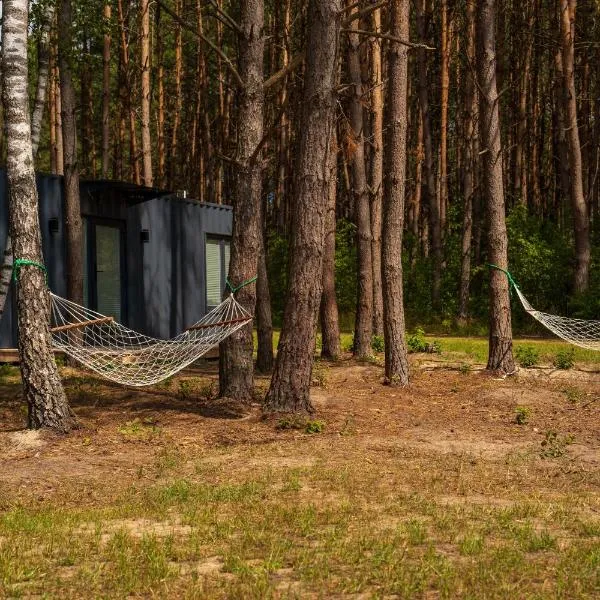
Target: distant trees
<point x="45" y="397"/>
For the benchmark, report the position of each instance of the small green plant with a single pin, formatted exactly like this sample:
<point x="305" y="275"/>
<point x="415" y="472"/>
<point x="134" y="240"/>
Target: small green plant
<point x="573" y="394"/>
<point x="319" y="374"/>
<point x="185" y="389"/>
<point x="416" y="341"/>
<point x="522" y="414"/>
<point x="465" y="368"/>
<point x="207" y="391"/>
<point x="377" y="343"/>
<point x="554" y="446"/>
<point x="290" y="422"/>
<point x="527" y="356"/>
<point x="314" y="426"/>
<point x="564" y="359"/>
<point x="7" y="370"/>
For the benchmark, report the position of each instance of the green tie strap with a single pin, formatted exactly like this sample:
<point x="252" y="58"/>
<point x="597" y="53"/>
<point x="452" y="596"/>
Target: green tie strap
<point x="233" y="290"/>
<point x="23" y="262"/>
<point x="511" y="281"/>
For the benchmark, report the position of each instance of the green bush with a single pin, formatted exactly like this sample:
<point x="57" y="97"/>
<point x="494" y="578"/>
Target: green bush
<point x="527" y="356"/>
<point x="564" y="359"/>
<point x="522" y="414"/>
<point x="416" y="341"/>
<point x="377" y="343"/>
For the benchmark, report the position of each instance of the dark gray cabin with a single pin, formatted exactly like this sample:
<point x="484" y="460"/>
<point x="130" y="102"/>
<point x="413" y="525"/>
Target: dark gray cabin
<point x="154" y="261"/>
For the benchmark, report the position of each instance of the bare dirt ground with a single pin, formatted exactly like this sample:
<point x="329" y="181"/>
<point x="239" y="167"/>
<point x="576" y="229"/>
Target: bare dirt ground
<point x="451" y="436"/>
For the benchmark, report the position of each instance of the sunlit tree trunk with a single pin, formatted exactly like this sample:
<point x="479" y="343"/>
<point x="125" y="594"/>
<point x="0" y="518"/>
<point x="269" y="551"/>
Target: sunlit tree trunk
<point x="236" y="365"/>
<point x="500" y="356"/>
<point x="42" y="388"/>
<point x="376" y="171"/>
<point x="396" y="357"/>
<point x="73" y="223"/>
<point x="330" y="326"/>
<point x="581" y="223"/>
<point x="290" y="384"/>
<point x="145" y="67"/>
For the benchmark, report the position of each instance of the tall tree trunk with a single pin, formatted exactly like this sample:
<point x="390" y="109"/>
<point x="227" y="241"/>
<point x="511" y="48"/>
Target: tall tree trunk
<point x="36" y="127"/>
<point x="43" y="391"/>
<point x="106" y="92"/>
<point x="330" y="326"/>
<point x="435" y="232"/>
<point x="363" y="330"/>
<point x="236" y="366"/>
<point x="581" y="223"/>
<point x="290" y="384"/>
<point x="500" y="346"/>
<point x="396" y="357"/>
<point x="145" y="56"/>
<point x="444" y="93"/>
<point x="469" y="167"/>
<point x="178" y="104"/>
<point x="376" y="171"/>
<point x="160" y="117"/>
<point x="264" y="319"/>
<point x="73" y="225"/>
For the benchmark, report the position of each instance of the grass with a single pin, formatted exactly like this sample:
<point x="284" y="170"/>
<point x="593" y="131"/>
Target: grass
<point x="269" y="537"/>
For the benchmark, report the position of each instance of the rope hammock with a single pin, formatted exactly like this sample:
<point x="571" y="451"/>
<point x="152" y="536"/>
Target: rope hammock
<point x="580" y="332"/>
<point x="130" y="358"/>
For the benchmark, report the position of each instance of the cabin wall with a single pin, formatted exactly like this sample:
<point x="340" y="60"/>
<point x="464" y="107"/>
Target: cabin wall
<point x="166" y="277"/>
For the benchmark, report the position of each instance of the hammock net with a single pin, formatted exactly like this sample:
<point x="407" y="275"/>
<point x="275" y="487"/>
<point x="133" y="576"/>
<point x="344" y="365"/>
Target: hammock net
<point x="130" y="358"/>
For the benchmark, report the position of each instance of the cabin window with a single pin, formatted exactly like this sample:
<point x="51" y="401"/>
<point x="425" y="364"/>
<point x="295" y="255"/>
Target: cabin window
<point x="217" y="267"/>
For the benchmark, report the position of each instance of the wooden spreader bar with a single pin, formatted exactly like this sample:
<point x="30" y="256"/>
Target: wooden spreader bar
<point x="217" y="324"/>
<point x="81" y="324"/>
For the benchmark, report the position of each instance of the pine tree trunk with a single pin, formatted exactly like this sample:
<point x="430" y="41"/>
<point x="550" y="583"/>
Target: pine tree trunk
<point x="500" y="346"/>
<point x="236" y="365"/>
<point x="376" y="172"/>
<point x="468" y="169"/>
<point x="160" y="117"/>
<point x="330" y="326"/>
<point x="178" y="101"/>
<point x="444" y="89"/>
<point x="432" y="199"/>
<point x="264" y="319"/>
<point x="581" y="223"/>
<point x="106" y="93"/>
<point x="363" y="330"/>
<point x="73" y="224"/>
<point x="43" y="391"/>
<point x="290" y="384"/>
<point x="145" y="66"/>
<point x="396" y="357"/>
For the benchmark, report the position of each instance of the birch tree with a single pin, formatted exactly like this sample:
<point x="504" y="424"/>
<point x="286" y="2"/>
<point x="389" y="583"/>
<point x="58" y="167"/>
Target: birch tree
<point x="43" y="391"/>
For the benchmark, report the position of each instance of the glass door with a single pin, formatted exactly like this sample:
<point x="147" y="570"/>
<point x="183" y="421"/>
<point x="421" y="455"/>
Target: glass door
<point x="104" y="268"/>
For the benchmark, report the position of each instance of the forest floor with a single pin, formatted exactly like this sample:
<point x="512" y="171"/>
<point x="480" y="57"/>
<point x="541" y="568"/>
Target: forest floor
<point x="460" y="486"/>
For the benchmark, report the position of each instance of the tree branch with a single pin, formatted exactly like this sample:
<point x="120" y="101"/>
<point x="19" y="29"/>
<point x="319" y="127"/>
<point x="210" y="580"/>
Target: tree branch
<point x="391" y="38"/>
<point x="277" y="77"/>
<point x="225" y="18"/>
<point x="363" y="13"/>
<point x="206" y="40"/>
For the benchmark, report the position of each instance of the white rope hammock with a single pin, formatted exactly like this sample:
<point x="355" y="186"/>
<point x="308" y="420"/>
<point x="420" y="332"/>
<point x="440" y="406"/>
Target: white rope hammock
<point x="124" y="356"/>
<point x="579" y="332"/>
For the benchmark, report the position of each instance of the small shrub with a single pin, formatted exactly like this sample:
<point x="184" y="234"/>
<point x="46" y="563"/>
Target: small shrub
<point x="289" y="422"/>
<point x="433" y="347"/>
<point x="377" y="343"/>
<point x="527" y="356"/>
<point x="573" y="394"/>
<point x="185" y="389"/>
<point x="314" y="427"/>
<point x="564" y="359"/>
<point x="319" y="374"/>
<point x="465" y="368"/>
<point x="416" y="341"/>
<point x="554" y="446"/>
<point x="7" y="370"/>
<point x="522" y="414"/>
<point x="207" y="391"/>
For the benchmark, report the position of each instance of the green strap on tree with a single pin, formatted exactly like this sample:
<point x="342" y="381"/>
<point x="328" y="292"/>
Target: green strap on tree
<point x="233" y="290"/>
<point x="23" y="262"/>
<point x="511" y="281"/>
